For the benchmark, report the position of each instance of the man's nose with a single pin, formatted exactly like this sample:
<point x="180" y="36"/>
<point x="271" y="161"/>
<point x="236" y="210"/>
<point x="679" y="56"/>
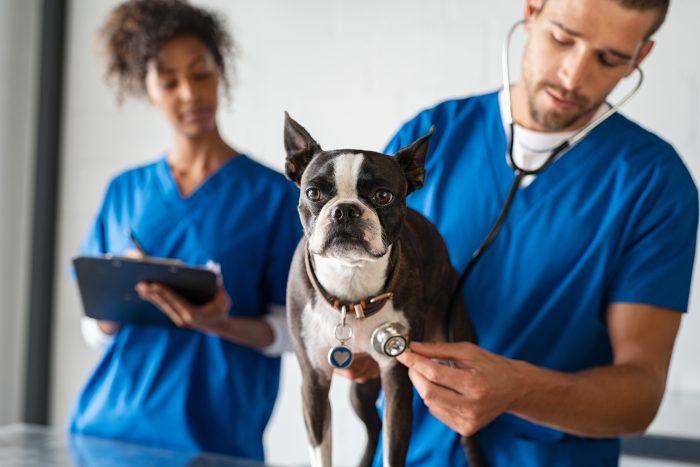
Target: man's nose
<point x="574" y="69"/>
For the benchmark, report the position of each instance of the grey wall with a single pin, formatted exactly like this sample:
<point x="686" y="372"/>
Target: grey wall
<point x="351" y="72"/>
<point x="18" y="64"/>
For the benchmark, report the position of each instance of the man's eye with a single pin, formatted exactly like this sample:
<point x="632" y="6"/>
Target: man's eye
<point x="559" y="40"/>
<point x="314" y="194"/>
<point x="383" y="197"/>
<point x="608" y="61"/>
<point x="169" y="84"/>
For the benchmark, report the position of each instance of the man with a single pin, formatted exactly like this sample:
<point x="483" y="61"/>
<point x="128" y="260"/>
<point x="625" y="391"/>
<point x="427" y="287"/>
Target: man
<point x="578" y="300"/>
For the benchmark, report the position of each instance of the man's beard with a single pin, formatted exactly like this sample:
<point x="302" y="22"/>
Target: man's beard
<point x="554" y="120"/>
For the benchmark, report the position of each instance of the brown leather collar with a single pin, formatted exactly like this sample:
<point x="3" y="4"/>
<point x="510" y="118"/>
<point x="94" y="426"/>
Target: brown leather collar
<point x="365" y="307"/>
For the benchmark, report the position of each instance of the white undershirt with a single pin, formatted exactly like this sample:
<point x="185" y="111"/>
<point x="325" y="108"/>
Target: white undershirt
<point x="532" y="148"/>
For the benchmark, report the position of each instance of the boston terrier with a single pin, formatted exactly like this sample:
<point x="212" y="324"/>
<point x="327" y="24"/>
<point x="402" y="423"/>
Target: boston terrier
<point x="369" y="276"/>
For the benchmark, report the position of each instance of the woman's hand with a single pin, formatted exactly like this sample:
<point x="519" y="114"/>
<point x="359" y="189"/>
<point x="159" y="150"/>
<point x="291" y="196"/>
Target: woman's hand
<point x="210" y="317"/>
<point x="482" y="386"/>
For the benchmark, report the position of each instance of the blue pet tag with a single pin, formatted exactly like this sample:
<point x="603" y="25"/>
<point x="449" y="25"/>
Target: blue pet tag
<point x="340" y="357"/>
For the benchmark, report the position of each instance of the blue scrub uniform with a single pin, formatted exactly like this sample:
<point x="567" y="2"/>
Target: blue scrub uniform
<point x="613" y="220"/>
<point x="178" y="388"/>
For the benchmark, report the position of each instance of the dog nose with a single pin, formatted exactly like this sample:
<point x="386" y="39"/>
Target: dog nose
<point x="345" y="212"/>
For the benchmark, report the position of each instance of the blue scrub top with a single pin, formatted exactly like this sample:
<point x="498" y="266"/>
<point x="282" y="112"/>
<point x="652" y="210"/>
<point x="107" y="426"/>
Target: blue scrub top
<point x="613" y="220"/>
<point x="178" y="388"/>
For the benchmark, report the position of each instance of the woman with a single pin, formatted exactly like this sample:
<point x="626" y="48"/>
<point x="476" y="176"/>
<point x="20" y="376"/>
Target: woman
<point x="209" y="383"/>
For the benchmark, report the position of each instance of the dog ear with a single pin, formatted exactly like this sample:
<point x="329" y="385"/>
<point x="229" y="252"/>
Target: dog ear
<point x="300" y="147"/>
<point x="412" y="160"/>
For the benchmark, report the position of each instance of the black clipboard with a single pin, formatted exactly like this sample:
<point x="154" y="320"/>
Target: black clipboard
<point x="107" y="284"/>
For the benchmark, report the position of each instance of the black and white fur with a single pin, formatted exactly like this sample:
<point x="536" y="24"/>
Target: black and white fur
<point x="352" y="233"/>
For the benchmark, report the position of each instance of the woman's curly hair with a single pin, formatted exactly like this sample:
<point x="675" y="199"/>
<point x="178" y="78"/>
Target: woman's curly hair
<point x="135" y="31"/>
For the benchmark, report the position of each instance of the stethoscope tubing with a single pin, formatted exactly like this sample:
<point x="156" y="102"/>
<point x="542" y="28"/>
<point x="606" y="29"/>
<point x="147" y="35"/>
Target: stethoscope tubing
<point x="520" y="172"/>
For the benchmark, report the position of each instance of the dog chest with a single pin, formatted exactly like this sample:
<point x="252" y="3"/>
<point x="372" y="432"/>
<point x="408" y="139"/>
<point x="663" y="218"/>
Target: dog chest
<point x="319" y="322"/>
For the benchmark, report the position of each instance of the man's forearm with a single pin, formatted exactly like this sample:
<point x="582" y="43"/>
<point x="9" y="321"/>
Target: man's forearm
<point x="600" y="402"/>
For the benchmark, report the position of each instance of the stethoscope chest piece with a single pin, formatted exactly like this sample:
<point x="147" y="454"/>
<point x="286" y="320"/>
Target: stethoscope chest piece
<point x="390" y="339"/>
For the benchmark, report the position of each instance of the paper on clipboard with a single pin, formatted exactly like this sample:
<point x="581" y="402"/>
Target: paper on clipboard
<point x="107" y="286"/>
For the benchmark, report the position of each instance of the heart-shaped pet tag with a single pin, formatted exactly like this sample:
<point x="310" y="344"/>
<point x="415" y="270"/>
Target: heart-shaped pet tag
<point x="339" y="357"/>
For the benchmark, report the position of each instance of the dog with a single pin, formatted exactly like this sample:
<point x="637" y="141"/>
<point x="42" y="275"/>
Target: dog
<point x="369" y="276"/>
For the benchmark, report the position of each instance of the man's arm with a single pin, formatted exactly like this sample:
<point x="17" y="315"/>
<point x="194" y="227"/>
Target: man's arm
<point x="606" y="401"/>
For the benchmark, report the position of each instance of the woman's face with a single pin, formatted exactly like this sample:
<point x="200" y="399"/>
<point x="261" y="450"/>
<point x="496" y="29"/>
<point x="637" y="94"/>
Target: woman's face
<point x="183" y="83"/>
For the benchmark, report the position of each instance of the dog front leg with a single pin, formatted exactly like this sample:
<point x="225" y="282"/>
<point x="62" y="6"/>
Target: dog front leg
<point x="397" y="414"/>
<point x="364" y="400"/>
<point x="317" y="416"/>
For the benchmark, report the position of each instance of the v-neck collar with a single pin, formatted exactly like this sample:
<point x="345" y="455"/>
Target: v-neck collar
<point x="208" y="184"/>
<point x="548" y="183"/>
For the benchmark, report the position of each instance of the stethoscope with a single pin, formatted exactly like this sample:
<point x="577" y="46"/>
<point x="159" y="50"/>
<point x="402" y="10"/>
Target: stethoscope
<point x="522" y="172"/>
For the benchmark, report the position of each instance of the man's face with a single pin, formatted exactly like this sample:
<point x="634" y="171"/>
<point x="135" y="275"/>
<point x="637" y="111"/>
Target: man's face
<point x="577" y="51"/>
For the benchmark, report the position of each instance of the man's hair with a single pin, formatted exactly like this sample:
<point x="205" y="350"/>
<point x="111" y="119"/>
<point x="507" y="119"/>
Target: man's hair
<point x="661" y="7"/>
<point x="135" y="31"/>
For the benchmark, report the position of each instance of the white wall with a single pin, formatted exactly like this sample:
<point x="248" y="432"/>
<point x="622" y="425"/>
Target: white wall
<point x="350" y="72"/>
<point x="18" y="65"/>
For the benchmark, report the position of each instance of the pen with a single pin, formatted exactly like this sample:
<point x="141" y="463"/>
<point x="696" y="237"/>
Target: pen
<point x="137" y="244"/>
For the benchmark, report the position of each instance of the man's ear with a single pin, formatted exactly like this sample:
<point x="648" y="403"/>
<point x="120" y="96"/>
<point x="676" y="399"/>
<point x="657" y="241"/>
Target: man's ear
<point x="532" y="9"/>
<point x="412" y="160"/>
<point x="300" y="147"/>
<point x="643" y="52"/>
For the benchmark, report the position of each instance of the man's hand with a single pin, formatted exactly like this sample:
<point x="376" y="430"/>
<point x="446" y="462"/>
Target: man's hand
<point x="604" y="401"/>
<point x="480" y="387"/>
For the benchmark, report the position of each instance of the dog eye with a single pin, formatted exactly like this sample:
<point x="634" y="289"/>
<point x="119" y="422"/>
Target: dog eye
<point x="314" y="194"/>
<point x="383" y="197"/>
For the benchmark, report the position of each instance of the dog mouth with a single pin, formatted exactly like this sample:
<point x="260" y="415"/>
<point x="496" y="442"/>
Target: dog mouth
<point x="345" y="237"/>
<point x="342" y="241"/>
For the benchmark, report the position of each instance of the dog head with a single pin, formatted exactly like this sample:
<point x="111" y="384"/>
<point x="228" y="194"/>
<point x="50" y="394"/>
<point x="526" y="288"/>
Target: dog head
<point x="353" y="202"/>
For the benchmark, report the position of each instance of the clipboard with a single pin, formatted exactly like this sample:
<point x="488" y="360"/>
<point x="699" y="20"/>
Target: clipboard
<point x="107" y="286"/>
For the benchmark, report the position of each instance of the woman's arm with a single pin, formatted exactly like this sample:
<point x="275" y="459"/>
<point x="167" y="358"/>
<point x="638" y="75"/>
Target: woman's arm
<point x="267" y="334"/>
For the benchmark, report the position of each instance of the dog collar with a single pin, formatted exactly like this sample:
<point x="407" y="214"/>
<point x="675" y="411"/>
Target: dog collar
<point x="365" y="307"/>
